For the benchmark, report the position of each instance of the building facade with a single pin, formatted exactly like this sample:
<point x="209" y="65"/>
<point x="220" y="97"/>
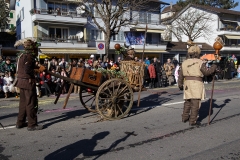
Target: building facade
<point x="64" y="31"/>
<point x="225" y="24"/>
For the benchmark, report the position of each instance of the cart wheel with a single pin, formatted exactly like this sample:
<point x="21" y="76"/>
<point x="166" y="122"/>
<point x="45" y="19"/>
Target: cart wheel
<point x="114" y="99"/>
<point x="87" y="98"/>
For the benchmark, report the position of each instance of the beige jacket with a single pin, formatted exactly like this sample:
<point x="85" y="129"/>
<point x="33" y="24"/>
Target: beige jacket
<point x="194" y="89"/>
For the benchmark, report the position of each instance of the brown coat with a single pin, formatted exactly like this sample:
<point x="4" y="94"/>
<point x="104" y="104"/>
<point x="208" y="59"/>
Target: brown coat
<point x="25" y="73"/>
<point x="194" y="89"/>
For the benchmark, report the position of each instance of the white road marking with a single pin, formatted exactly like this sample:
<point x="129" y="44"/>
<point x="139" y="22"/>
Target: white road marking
<point x="8" y="127"/>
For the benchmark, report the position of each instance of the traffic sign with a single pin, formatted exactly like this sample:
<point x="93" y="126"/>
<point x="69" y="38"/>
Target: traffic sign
<point x="100" y="47"/>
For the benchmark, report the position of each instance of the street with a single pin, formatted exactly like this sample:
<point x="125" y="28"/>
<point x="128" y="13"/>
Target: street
<point x="152" y="131"/>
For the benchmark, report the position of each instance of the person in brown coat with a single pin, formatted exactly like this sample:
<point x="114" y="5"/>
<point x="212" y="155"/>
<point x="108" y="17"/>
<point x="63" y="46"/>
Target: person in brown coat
<point x="190" y="80"/>
<point x="152" y="74"/>
<point x="28" y="104"/>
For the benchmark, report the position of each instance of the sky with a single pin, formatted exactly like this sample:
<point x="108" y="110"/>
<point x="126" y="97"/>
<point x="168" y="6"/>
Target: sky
<point x="174" y="2"/>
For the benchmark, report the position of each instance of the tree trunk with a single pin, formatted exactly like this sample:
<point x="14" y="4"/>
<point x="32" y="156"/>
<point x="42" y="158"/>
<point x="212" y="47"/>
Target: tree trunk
<point x="107" y="45"/>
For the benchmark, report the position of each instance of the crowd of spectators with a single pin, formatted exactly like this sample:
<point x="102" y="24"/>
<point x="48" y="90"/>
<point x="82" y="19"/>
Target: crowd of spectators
<point x="156" y="74"/>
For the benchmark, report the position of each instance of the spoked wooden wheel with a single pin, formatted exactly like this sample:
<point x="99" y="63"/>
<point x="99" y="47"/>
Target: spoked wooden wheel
<point x="114" y="99"/>
<point x="87" y="98"/>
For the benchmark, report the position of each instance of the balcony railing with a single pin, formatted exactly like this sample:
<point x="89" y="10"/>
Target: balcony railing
<point x="66" y="13"/>
<point x="229" y="29"/>
<point x="73" y="39"/>
<point x="140" y="21"/>
<point x="232" y="45"/>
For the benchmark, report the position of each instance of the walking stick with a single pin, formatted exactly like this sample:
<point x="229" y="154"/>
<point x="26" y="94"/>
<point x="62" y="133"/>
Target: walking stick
<point x="218" y="44"/>
<point x="210" y="108"/>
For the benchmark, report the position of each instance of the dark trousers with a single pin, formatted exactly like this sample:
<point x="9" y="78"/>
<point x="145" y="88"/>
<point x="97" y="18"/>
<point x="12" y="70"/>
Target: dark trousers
<point x="191" y="105"/>
<point x="159" y="80"/>
<point x="27" y="107"/>
<point x="47" y="89"/>
<point x="152" y="83"/>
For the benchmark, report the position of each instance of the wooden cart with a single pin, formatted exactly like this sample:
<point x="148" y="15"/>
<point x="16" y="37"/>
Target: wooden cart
<point x="111" y="97"/>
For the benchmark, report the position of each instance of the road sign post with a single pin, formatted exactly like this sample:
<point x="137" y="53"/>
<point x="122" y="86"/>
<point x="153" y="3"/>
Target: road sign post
<point x="101" y="49"/>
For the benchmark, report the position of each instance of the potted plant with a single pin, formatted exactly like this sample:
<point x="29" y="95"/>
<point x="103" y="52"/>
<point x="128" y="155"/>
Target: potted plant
<point x="230" y="27"/>
<point x="32" y="11"/>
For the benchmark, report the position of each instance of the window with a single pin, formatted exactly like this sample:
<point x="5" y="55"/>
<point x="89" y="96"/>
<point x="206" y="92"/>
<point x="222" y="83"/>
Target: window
<point x="10" y="26"/>
<point x="144" y="17"/>
<point x="11" y="15"/>
<point x="96" y="35"/>
<point x="50" y="7"/>
<point x="58" y="33"/>
<point x="120" y="36"/>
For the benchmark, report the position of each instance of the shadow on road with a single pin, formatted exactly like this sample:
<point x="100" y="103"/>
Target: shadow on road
<point x="9" y="115"/>
<point x="85" y="147"/>
<point x="204" y="110"/>
<point x="63" y="117"/>
<point x="151" y="101"/>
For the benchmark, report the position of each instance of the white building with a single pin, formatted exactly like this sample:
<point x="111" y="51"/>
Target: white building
<point x="64" y="32"/>
<point x="225" y="23"/>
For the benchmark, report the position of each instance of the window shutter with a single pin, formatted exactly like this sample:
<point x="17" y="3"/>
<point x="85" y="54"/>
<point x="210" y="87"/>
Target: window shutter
<point x="11" y="15"/>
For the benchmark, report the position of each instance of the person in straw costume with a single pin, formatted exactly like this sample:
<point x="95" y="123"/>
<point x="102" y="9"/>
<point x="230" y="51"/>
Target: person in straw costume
<point x="26" y="68"/>
<point x="190" y="81"/>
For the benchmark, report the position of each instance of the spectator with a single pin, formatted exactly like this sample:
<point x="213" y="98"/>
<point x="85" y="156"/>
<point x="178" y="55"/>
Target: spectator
<point x="44" y="81"/>
<point x="56" y="83"/>
<point x="233" y="69"/>
<point x="63" y="64"/>
<point x="158" y="69"/>
<point x="175" y="62"/>
<point x="147" y="62"/>
<point x="169" y="68"/>
<point x="152" y="74"/>
<point x="7" y="84"/>
<point x="7" y="66"/>
<point x="136" y="59"/>
<point x="146" y="77"/>
<point x="176" y="73"/>
<point x="64" y="85"/>
<point x="238" y="72"/>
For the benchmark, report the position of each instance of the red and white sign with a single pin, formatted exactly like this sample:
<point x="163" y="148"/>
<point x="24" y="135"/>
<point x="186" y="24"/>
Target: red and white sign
<point x="100" y="47"/>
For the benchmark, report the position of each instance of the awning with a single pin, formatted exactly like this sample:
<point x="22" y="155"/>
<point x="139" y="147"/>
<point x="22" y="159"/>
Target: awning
<point x="149" y="51"/>
<point x="151" y="30"/>
<point x="232" y="37"/>
<point x="67" y="51"/>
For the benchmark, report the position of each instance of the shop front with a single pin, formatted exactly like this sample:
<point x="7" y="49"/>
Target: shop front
<point x="67" y="53"/>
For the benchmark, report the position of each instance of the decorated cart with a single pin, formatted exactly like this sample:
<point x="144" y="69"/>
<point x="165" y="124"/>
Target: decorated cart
<point x="105" y="92"/>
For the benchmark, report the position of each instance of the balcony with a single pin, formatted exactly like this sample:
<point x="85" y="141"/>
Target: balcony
<point x="74" y="42"/>
<point x="231" y="47"/>
<point x="150" y="46"/>
<point x="66" y="16"/>
<point x="229" y="31"/>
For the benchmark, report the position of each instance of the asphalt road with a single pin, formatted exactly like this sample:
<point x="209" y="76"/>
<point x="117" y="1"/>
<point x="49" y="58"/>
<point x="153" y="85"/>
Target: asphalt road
<point x="152" y="131"/>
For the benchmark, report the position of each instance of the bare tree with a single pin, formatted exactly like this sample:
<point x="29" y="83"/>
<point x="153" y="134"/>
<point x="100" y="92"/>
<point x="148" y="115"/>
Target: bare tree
<point x="109" y="16"/>
<point x="193" y="24"/>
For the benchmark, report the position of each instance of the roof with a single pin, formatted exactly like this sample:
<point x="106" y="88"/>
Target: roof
<point x="173" y="8"/>
<point x="207" y="8"/>
<point x="161" y="2"/>
<point x="182" y="46"/>
<point x="216" y="10"/>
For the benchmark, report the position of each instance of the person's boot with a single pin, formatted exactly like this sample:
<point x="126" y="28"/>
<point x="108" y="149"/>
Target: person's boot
<point x="6" y="95"/>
